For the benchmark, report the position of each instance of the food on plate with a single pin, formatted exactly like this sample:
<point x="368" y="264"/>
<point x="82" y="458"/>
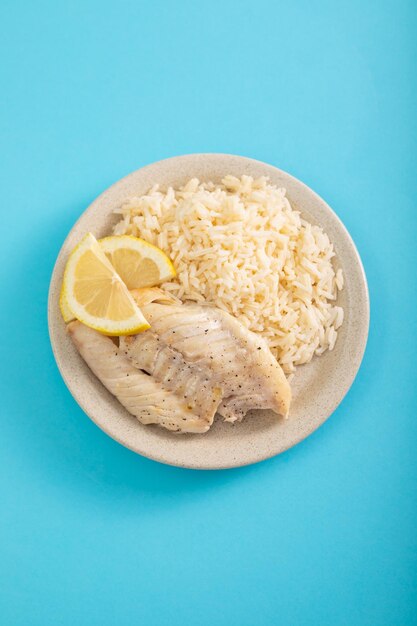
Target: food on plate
<point x="252" y="296"/>
<point x="195" y="360"/>
<point x="66" y="312"/>
<point x="95" y="293"/>
<point x="137" y="262"/>
<point x="242" y="247"/>
<point x="190" y="344"/>
<point x="139" y="393"/>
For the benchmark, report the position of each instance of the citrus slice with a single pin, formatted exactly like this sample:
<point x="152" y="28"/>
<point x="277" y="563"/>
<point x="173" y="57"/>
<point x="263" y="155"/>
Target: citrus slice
<point x="138" y="263"/>
<point x="67" y="314"/>
<point x="96" y="294"/>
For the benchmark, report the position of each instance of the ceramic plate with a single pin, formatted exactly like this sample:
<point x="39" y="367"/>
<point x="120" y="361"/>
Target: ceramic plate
<point x="317" y="387"/>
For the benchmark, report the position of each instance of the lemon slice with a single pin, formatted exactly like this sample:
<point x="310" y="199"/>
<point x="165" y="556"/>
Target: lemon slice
<point x="138" y="263"/>
<point x="67" y="314"/>
<point x="96" y="294"/>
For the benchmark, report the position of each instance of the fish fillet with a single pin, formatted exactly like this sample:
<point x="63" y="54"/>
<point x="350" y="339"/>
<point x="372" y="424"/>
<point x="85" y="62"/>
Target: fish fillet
<point x="191" y="345"/>
<point x="193" y="361"/>
<point x="138" y="392"/>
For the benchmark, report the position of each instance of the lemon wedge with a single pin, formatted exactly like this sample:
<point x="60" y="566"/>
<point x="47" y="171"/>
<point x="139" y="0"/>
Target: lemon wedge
<point x="96" y="295"/>
<point x="138" y="263"/>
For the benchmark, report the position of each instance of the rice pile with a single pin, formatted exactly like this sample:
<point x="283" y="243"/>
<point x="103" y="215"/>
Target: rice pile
<point x="240" y="246"/>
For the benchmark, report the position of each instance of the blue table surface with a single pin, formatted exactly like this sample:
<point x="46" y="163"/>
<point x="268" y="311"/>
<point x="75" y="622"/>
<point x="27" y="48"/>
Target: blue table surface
<point x="92" y="534"/>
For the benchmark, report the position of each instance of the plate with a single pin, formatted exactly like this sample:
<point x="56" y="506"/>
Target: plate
<point x="318" y="387"/>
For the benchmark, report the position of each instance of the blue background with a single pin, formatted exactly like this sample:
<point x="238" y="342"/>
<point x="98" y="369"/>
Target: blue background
<point x="92" y="534"/>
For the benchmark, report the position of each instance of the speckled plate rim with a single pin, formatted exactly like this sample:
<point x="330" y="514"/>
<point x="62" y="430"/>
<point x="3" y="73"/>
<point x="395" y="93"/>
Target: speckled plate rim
<point x="123" y="428"/>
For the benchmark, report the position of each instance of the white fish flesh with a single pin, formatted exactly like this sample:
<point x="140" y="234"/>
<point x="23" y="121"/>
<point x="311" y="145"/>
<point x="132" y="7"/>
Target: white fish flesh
<point x="194" y="361"/>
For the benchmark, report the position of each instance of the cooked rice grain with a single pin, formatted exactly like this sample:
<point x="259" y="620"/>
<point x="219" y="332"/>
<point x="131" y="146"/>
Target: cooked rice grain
<point x="241" y="247"/>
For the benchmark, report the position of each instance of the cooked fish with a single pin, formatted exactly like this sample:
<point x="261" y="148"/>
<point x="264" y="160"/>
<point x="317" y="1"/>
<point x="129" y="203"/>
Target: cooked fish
<point x="193" y="361"/>
<point x="195" y="350"/>
<point x="138" y="392"/>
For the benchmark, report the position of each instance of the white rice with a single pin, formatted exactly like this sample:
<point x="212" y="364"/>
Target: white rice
<point x="241" y="247"/>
